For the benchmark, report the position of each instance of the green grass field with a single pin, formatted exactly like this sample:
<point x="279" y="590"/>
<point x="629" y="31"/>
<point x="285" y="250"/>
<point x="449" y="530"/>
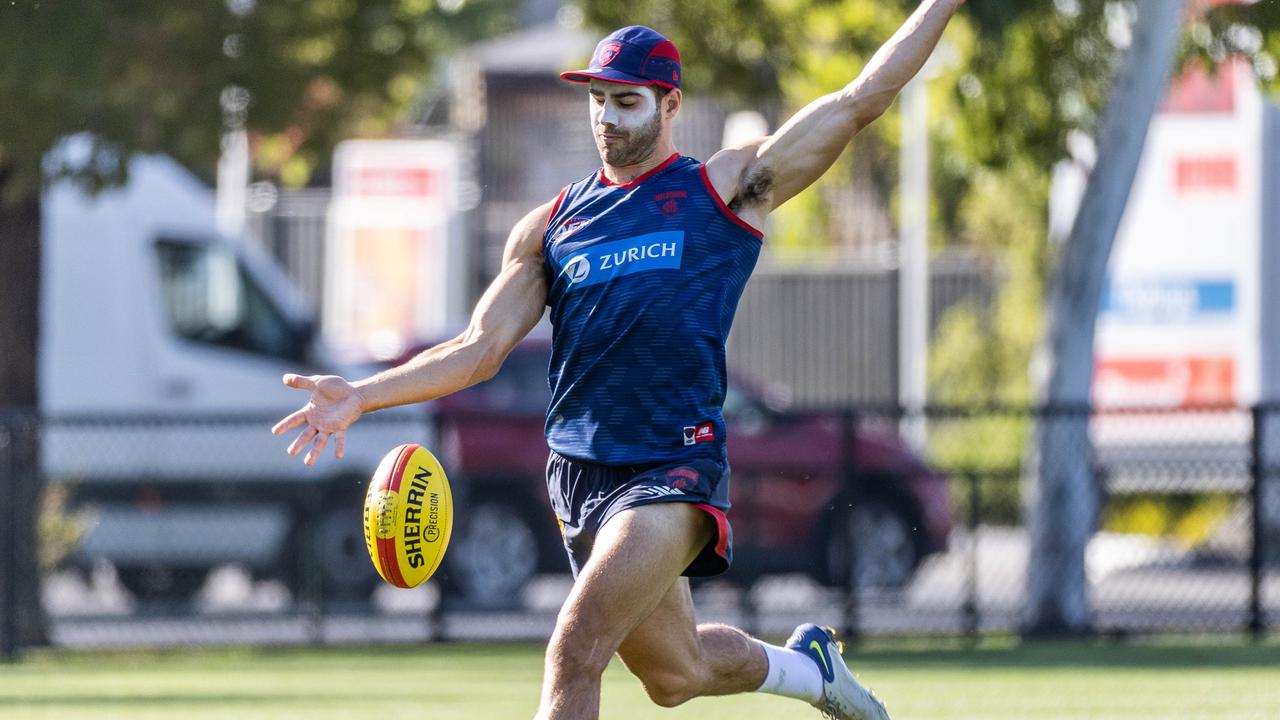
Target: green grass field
<point x="1159" y="680"/>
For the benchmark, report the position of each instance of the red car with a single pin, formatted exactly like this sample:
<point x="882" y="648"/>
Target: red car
<point x="806" y="490"/>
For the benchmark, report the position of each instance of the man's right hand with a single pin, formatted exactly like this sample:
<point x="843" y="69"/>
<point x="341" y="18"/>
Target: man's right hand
<point x="334" y="405"/>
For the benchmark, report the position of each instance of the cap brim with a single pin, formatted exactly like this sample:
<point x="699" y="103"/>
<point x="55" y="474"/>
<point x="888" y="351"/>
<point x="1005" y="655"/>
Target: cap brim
<point x="609" y="75"/>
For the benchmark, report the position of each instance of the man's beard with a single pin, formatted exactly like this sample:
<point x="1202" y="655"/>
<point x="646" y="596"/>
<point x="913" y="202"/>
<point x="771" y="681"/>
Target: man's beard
<point x="638" y="146"/>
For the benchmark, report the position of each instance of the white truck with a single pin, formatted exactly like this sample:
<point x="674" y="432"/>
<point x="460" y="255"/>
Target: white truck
<point x="161" y="355"/>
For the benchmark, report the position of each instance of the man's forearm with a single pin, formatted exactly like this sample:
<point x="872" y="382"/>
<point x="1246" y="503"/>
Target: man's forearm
<point x="898" y="60"/>
<point x="435" y="372"/>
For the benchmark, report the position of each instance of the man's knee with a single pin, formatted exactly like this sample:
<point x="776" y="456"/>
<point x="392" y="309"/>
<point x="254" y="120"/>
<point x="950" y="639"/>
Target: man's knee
<point x="583" y="643"/>
<point x="669" y="687"/>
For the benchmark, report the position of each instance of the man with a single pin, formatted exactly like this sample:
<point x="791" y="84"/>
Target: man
<point x="642" y="265"/>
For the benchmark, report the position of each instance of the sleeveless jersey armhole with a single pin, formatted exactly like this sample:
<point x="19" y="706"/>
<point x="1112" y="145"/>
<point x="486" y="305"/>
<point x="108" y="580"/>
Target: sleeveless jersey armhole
<point x="554" y="209"/>
<point x="546" y="237"/>
<point x="715" y="196"/>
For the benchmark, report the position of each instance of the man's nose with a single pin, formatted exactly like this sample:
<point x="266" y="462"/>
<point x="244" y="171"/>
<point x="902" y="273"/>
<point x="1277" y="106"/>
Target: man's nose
<point x="609" y="116"/>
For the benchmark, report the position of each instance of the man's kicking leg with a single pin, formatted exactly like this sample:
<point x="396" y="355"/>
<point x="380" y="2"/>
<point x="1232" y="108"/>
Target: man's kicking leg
<point x="637" y="557"/>
<point x="629" y="598"/>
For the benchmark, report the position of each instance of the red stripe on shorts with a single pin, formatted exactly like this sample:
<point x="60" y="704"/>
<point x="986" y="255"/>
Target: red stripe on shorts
<point x="722" y="528"/>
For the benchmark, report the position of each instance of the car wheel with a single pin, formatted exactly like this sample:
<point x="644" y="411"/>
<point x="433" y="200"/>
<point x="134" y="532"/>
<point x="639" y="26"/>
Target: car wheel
<point x="493" y="557"/>
<point x="342" y="556"/>
<point x="151" y="584"/>
<point x="874" y="540"/>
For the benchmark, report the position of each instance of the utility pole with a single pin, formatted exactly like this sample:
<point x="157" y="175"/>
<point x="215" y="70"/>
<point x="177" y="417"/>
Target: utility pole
<point x="913" y="262"/>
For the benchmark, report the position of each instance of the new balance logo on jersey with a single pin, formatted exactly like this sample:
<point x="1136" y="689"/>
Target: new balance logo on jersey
<point x="600" y="263"/>
<point x="694" y="434"/>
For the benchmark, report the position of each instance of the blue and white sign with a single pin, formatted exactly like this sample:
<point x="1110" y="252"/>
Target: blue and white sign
<point x="1168" y="300"/>
<point x="606" y="261"/>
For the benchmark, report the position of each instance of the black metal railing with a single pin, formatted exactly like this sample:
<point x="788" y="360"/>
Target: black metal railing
<point x="161" y="531"/>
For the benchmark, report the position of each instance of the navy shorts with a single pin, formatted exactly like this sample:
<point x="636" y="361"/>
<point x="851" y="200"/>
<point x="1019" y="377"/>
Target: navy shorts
<point x="585" y="495"/>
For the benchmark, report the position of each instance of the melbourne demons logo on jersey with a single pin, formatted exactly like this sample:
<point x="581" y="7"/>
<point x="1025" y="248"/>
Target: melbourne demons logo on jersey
<point x="669" y="202"/>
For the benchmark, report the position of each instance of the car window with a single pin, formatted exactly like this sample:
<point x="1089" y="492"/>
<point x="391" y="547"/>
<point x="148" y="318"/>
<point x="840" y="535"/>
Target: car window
<point x="737" y="403"/>
<point x="211" y="299"/>
<point x="520" y="387"/>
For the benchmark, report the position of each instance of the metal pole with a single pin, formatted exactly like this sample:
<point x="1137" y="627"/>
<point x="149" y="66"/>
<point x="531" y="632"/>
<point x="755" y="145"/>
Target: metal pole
<point x="8" y="551"/>
<point x="1257" y="470"/>
<point x="852" y="621"/>
<point x="913" y="254"/>
<point x="231" y="193"/>
<point x="971" y="596"/>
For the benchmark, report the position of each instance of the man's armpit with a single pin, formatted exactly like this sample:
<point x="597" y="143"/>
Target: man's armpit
<point x="754" y="188"/>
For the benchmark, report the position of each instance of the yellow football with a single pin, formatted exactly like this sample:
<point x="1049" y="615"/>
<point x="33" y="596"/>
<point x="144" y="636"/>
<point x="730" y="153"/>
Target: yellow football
<point x="408" y="516"/>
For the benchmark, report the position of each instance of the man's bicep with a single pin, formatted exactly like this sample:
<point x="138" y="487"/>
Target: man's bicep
<point x="516" y="299"/>
<point x="806" y="146"/>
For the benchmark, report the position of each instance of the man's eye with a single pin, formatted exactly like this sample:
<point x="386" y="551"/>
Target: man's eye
<point x="627" y="104"/>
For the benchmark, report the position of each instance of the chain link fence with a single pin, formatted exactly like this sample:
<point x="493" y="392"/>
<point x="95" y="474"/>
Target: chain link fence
<point x="160" y="531"/>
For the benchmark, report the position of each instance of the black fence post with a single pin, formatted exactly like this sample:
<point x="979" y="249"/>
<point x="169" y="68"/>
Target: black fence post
<point x="1258" y="473"/>
<point x="8" y="549"/>
<point x="971" y="616"/>
<point x="852" y="624"/>
<point x="312" y="572"/>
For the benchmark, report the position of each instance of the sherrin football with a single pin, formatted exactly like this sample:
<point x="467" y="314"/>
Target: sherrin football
<point x="408" y="516"/>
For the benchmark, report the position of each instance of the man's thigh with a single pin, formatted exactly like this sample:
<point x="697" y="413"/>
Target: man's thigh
<point x="633" y="570"/>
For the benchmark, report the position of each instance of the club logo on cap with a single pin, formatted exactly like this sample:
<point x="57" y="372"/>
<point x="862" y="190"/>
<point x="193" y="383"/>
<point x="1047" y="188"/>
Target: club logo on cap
<point x="609" y="52"/>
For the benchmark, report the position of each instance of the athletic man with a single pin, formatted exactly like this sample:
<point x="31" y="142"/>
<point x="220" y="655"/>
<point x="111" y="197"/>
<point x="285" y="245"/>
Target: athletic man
<point x="642" y="265"/>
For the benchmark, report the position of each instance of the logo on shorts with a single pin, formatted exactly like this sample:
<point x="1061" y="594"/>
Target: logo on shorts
<point x="694" y="434"/>
<point x="682" y="478"/>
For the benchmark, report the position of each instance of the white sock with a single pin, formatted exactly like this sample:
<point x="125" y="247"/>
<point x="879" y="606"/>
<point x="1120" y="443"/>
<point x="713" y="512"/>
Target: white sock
<point x="791" y="674"/>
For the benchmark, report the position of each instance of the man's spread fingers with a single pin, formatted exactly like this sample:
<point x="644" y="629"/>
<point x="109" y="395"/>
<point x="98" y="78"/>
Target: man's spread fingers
<point x="290" y="422"/>
<point x="339" y="443"/>
<point x="301" y="441"/>
<point x="317" y="449"/>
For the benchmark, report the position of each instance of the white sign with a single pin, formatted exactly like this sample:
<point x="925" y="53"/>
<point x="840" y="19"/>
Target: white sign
<point x="396" y="259"/>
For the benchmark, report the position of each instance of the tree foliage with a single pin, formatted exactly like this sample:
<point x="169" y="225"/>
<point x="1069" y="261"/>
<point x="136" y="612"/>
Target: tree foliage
<point x="155" y="76"/>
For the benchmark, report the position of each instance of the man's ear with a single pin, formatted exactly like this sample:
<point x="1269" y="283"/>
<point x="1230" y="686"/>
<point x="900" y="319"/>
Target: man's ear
<point x="672" y="103"/>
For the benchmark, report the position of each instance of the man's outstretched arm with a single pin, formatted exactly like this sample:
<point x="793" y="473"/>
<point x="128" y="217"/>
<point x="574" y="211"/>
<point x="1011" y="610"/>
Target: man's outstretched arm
<point x="509" y="309"/>
<point x="758" y="176"/>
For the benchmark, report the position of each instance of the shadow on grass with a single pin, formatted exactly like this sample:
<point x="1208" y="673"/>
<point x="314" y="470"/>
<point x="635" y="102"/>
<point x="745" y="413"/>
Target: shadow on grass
<point x="1074" y="654"/>
<point x="191" y="699"/>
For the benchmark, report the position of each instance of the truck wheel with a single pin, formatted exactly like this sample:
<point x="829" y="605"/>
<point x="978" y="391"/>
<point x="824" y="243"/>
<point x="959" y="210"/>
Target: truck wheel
<point x="493" y="556"/>
<point x="154" y="584"/>
<point x="874" y="539"/>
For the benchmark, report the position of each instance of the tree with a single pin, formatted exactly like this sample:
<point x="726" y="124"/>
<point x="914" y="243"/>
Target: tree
<point x="163" y="77"/>
<point x="1063" y="504"/>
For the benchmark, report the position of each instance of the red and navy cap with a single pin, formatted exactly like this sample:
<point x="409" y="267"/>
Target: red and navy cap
<point x="634" y="55"/>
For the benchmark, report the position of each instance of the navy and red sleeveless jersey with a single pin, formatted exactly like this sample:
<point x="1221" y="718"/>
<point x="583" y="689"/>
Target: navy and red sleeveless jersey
<point x="644" y="282"/>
